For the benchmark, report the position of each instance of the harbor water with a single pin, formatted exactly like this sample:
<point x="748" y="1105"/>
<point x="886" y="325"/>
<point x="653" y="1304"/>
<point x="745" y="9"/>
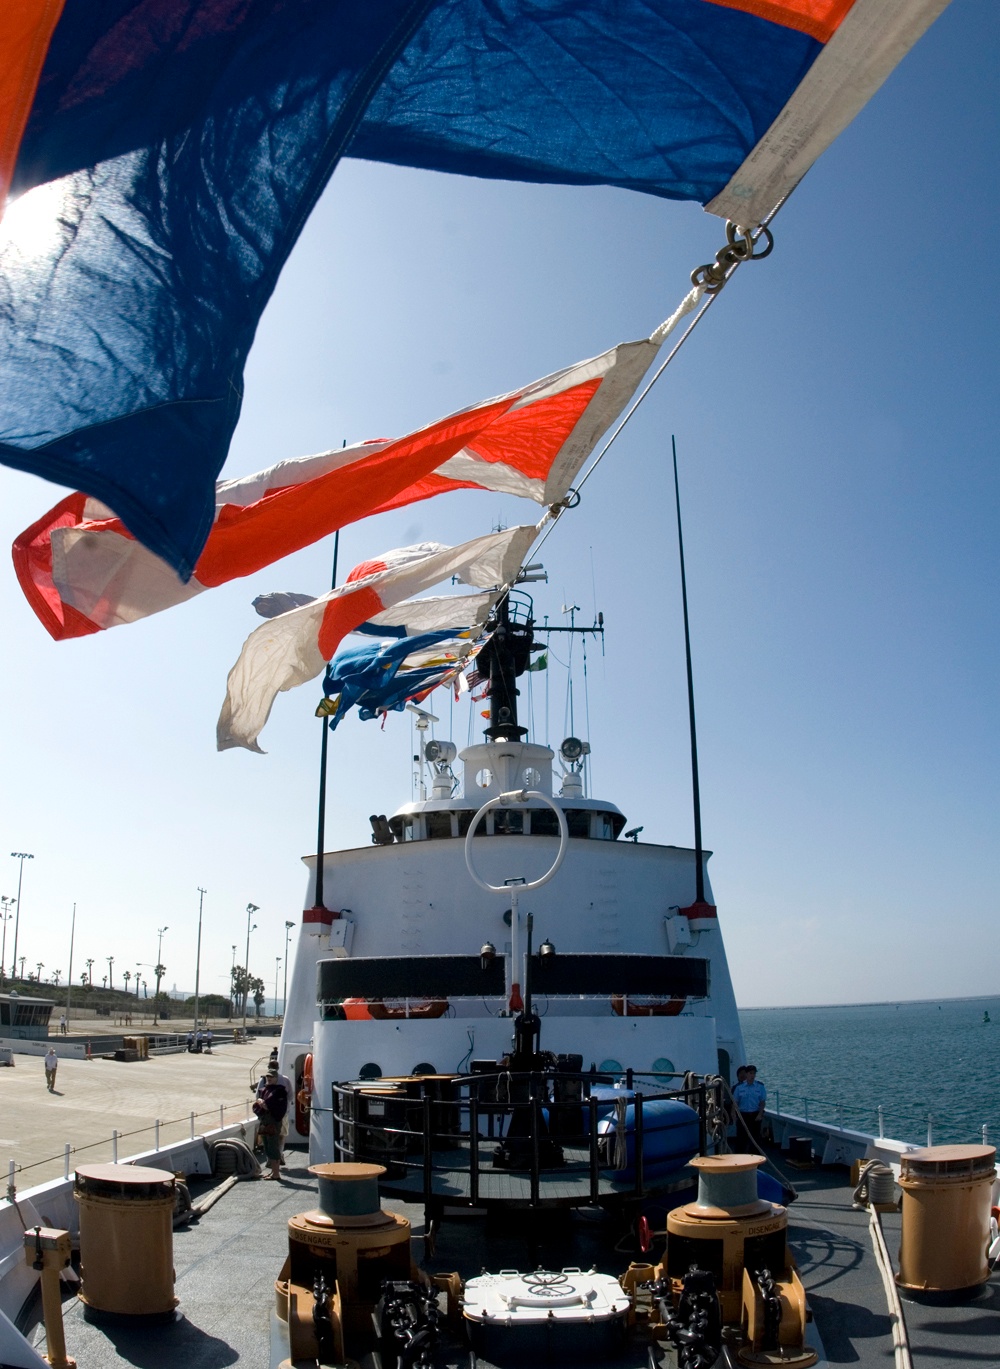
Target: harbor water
<point x="937" y="1059"/>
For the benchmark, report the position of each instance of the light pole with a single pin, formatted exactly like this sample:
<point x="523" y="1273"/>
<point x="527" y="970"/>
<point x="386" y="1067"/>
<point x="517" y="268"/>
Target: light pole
<point x="158" y="968"/>
<point x="22" y="856"/>
<point x="197" y="964"/>
<point x="138" y="967"/>
<point x="69" y="977"/>
<point x="232" y="987"/>
<point x="277" y="963"/>
<point x="284" y="995"/>
<point x="6" y="915"/>
<point x="251" y="909"/>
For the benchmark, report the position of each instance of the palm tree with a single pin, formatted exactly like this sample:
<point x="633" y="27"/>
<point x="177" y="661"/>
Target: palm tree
<point x="40" y="965"/>
<point x="90" y="971"/>
<point x="127" y="976"/>
<point x="104" y="981"/>
<point x="111" y="969"/>
<point x="55" y="977"/>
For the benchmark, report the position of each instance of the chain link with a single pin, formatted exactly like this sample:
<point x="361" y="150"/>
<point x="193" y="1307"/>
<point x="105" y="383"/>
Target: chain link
<point x="741" y="245"/>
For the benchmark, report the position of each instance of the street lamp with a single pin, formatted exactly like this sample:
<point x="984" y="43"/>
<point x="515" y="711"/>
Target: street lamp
<point x="158" y="969"/>
<point x="197" y="964"/>
<point x="251" y="909"/>
<point x="22" y="856"/>
<point x="277" y="963"/>
<point x="6" y="915"/>
<point x="284" y="996"/>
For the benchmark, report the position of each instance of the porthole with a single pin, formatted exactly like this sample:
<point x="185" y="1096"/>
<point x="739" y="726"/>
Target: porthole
<point x="484" y="778"/>
<point x="370" y="1071"/>
<point x="663" y="1066"/>
<point x="531" y="778"/>
<point x="610" y="1067"/>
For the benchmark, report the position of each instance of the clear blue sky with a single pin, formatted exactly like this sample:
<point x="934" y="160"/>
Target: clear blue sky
<point x="836" y="417"/>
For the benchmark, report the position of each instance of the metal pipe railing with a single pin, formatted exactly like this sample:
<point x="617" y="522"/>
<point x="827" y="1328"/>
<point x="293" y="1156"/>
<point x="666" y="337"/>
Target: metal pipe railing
<point x="68" y="1150"/>
<point x="408" y="1139"/>
<point x="907" y="1123"/>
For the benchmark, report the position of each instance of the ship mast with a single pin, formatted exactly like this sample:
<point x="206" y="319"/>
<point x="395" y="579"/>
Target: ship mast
<point x="695" y="789"/>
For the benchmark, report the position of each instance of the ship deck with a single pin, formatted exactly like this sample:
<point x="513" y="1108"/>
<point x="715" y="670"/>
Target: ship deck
<point x="227" y="1262"/>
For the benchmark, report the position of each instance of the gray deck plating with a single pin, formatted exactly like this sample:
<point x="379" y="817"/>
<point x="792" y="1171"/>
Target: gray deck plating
<point x="226" y="1265"/>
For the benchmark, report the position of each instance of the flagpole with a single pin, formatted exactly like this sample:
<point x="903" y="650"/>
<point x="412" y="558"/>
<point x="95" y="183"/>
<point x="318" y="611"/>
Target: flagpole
<point x="695" y="789"/>
<point x="321" y="807"/>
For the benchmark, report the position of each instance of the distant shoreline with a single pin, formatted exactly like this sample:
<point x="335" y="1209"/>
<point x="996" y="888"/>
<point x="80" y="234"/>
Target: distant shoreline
<point x="875" y="1003"/>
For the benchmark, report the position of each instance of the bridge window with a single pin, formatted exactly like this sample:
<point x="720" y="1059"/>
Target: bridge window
<point x="578" y="822"/>
<point x="437" y="825"/>
<point x="508" y="822"/>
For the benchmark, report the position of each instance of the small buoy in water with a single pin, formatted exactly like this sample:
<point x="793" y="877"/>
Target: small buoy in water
<point x="986" y="1017"/>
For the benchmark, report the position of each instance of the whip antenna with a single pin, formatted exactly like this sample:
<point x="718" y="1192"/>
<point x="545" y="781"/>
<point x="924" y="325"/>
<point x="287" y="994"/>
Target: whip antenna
<point x="695" y="790"/>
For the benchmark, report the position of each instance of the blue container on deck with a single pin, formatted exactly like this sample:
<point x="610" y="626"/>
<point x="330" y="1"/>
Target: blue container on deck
<point x="669" y="1138"/>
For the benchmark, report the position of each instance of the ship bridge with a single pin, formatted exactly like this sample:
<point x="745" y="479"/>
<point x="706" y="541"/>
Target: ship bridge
<point x="509" y="771"/>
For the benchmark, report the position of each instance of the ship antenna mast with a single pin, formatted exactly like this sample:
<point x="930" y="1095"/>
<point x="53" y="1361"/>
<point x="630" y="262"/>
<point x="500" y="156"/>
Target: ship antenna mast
<point x="695" y="790"/>
<point x="321" y="806"/>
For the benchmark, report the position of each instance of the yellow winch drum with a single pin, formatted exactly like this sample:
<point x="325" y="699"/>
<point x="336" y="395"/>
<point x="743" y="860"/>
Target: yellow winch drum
<point x="946" y="1218"/>
<point x="126" y="1240"/>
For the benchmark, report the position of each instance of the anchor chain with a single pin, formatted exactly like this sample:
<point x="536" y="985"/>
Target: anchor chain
<point x="772" y="1309"/>
<point x="741" y="246"/>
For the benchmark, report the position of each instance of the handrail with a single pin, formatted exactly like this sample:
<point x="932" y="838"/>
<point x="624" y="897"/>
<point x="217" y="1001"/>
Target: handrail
<point x="217" y="1112"/>
<point x="872" y="1118"/>
<point x="410" y="1141"/>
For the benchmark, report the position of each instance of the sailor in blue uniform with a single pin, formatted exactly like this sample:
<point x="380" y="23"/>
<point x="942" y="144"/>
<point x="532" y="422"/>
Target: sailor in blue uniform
<point x="750" y="1097"/>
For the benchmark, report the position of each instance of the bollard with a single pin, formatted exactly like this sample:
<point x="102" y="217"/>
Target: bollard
<point x="881" y="1124"/>
<point x="114" y="1147"/>
<point x="192" y="1126"/>
<point x="11" y="1185"/>
<point x="66" y="1150"/>
<point x="156" y="1134"/>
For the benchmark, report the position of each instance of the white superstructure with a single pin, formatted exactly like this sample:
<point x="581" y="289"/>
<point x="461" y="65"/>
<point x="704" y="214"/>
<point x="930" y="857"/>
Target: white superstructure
<point x="405" y="918"/>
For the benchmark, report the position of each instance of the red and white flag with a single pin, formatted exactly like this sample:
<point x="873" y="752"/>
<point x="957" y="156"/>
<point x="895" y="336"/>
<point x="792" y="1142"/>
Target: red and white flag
<point x="294" y="647"/>
<point x="82" y="571"/>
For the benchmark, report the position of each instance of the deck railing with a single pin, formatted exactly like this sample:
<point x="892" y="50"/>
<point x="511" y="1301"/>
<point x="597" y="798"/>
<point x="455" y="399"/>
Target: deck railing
<point x="902" y="1123"/>
<point x="236" y="1112"/>
<point x="544" y="1126"/>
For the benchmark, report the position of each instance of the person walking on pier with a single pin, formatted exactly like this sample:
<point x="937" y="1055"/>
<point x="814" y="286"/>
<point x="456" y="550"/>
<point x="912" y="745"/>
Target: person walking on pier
<point x="51" y="1065"/>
